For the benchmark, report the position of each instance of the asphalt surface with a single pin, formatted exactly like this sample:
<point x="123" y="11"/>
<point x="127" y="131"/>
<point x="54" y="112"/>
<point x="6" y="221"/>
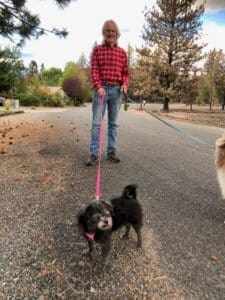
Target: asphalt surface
<point x="184" y="214"/>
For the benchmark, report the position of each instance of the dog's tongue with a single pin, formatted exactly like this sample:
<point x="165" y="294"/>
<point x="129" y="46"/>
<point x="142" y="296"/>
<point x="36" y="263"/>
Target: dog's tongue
<point x="90" y="235"/>
<point x="110" y="222"/>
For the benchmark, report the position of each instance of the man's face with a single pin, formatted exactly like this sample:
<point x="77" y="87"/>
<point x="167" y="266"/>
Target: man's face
<point x="110" y="34"/>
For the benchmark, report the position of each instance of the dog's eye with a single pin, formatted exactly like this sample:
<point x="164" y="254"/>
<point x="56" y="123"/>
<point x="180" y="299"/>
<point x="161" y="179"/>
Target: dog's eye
<point x="98" y="217"/>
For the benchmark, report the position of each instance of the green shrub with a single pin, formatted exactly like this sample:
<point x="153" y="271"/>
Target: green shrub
<point x="28" y="100"/>
<point x="53" y="101"/>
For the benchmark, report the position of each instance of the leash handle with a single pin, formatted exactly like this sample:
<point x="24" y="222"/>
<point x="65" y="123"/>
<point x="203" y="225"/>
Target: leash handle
<point x="126" y="105"/>
<point x="100" y="138"/>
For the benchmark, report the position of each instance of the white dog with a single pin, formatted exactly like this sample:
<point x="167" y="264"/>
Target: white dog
<point x="220" y="163"/>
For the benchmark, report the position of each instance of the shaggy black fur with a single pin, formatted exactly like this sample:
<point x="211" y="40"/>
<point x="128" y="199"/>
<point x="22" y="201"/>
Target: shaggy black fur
<point x="99" y="219"/>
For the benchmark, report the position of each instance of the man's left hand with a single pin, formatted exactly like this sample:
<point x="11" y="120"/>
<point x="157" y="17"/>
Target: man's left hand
<point x="123" y="89"/>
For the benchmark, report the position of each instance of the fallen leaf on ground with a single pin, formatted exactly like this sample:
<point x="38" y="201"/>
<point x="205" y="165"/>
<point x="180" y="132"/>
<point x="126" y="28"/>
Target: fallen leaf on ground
<point x="47" y="180"/>
<point x="44" y="272"/>
<point x="213" y="257"/>
<point x="128" y="286"/>
<point x="18" y="176"/>
<point x="43" y="238"/>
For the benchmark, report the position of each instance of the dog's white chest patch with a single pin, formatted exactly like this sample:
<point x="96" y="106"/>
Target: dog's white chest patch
<point x="221" y="179"/>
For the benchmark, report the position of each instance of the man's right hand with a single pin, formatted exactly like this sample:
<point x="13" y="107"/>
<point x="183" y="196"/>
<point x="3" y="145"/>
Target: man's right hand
<point x="101" y="92"/>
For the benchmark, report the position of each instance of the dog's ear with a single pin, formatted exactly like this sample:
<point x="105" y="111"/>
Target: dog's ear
<point x="88" y="211"/>
<point x="80" y="215"/>
<point x="80" y="219"/>
<point x="130" y="191"/>
<point x="108" y="206"/>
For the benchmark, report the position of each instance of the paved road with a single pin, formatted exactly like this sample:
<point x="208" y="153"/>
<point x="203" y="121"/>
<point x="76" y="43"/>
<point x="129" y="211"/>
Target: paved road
<point x="184" y="230"/>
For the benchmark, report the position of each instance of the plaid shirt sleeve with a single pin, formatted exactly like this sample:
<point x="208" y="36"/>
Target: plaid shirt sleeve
<point x="125" y="71"/>
<point x="109" y="65"/>
<point x="95" y="70"/>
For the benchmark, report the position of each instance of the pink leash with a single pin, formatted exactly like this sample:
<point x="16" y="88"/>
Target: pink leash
<point x="98" y="179"/>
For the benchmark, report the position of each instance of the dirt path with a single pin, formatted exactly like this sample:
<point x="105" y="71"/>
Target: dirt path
<point x="198" y="115"/>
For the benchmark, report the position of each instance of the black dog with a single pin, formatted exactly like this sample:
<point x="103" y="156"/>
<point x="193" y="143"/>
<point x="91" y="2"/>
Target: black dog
<point x="100" y="219"/>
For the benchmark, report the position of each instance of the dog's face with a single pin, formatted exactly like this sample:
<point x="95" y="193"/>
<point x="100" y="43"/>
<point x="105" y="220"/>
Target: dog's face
<point x="97" y="216"/>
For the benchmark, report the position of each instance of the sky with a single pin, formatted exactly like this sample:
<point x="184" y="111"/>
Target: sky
<point x="84" y="19"/>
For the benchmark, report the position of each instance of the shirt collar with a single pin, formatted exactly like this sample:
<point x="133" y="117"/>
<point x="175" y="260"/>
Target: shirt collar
<point x="106" y="45"/>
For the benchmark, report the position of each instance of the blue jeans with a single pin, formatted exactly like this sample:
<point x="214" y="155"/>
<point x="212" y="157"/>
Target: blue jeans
<point x="113" y="102"/>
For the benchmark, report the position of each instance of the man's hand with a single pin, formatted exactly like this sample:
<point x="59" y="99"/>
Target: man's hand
<point x="123" y="89"/>
<point x="101" y="92"/>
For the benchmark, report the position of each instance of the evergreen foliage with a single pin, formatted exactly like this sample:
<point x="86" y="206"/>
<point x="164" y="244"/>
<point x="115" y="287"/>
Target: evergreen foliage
<point x="173" y="28"/>
<point x="17" y="21"/>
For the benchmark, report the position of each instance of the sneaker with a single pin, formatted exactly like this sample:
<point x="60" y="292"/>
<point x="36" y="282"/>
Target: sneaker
<point x="111" y="156"/>
<point x="92" y="160"/>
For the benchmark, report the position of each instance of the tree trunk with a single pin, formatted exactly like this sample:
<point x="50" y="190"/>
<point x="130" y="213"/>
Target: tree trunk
<point x="223" y="103"/>
<point x="210" y="105"/>
<point x="166" y="103"/>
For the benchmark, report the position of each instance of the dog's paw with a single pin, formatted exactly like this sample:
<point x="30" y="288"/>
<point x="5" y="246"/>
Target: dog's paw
<point x="139" y="248"/>
<point x="88" y="253"/>
<point x="125" y="236"/>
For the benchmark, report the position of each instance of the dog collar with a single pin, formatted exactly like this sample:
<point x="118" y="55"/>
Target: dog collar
<point x="90" y="235"/>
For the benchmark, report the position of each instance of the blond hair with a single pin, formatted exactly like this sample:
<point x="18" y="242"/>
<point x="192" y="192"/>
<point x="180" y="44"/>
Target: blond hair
<point x="112" y="22"/>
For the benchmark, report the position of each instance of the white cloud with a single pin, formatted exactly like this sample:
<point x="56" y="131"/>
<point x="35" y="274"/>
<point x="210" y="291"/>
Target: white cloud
<point x="213" y="35"/>
<point x="212" y="5"/>
<point x="84" y="20"/>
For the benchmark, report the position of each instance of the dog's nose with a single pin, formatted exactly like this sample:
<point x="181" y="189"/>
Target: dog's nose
<point x="106" y="222"/>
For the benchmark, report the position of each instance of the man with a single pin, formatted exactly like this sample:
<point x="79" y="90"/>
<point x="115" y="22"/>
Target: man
<point x="110" y="78"/>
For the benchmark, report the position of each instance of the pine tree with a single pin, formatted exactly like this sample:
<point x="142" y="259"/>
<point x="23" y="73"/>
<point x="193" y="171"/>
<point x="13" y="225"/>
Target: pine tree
<point x="130" y="55"/>
<point x="214" y="75"/>
<point x="32" y="69"/>
<point x="42" y="69"/>
<point x="83" y="61"/>
<point x="11" y="69"/>
<point x="16" y="19"/>
<point x="174" y="28"/>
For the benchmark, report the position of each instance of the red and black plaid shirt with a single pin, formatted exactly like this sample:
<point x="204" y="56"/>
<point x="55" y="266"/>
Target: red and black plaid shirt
<point x="109" y="64"/>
